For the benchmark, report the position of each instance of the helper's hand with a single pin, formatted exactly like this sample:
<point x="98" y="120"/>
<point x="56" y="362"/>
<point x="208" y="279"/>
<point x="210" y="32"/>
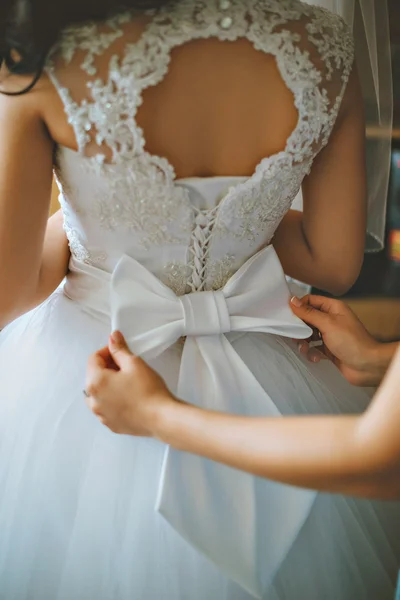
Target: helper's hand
<point x="123" y="391"/>
<point x="345" y="340"/>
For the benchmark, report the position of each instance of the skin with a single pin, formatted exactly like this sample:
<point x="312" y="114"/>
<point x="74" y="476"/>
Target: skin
<point x="322" y="246"/>
<point x="357" y="455"/>
<point x="55" y="260"/>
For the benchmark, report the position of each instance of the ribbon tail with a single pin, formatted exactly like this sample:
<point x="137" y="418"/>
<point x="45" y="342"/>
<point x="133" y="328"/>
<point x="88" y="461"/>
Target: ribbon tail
<point x="243" y="524"/>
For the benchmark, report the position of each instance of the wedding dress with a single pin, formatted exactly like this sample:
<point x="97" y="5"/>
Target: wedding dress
<point x="184" y="268"/>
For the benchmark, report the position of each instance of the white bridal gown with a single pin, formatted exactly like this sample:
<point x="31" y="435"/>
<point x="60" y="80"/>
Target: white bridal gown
<point x="185" y="270"/>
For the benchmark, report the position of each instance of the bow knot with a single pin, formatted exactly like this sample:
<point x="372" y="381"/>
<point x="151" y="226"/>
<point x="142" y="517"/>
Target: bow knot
<point x="205" y="313"/>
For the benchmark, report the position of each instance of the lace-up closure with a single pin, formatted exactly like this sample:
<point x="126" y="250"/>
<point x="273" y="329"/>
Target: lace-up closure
<point x="201" y="237"/>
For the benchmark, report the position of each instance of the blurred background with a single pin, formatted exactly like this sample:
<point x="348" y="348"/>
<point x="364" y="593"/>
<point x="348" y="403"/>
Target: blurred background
<point x="376" y="296"/>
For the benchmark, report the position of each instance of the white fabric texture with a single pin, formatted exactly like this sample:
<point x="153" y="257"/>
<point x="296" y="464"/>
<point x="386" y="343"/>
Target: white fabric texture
<point x="149" y="255"/>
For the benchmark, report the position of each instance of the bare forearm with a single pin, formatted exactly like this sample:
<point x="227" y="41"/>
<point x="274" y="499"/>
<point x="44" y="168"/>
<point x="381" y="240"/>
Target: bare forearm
<point x="379" y="360"/>
<point x="312" y="452"/>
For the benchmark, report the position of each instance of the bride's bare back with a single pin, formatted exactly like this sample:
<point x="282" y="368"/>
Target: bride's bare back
<point x="221" y="109"/>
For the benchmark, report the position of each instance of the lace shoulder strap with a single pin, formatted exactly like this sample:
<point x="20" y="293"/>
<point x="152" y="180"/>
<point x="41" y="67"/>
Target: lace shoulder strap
<point x="331" y="46"/>
<point x="315" y="53"/>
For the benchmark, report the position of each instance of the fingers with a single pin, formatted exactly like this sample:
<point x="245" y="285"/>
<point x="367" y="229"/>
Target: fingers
<point x="96" y="369"/>
<point x="98" y="360"/>
<point x="306" y="312"/>
<point x="94" y="406"/>
<point x="120" y="351"/>
<point x="97" y="373"/>
<point x="97" y="381"/>
<point x="303" y="347"/>
<point x="329" y="306"/>
<point x="125" y="359"/>
<point x="314" y="355"/>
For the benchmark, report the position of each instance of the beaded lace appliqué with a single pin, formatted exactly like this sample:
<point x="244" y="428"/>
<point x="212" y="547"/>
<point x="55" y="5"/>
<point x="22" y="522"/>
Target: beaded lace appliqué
<point x="138" y="200"/>
<point x="79" y="250"/>
<point x="144" y="198"/>
<point x="76" y="242"/>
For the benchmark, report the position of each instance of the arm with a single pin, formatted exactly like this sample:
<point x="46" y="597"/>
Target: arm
<point x="332" y="454"/>
<point x="324" y="245"/>
<point x="358" y="455"/>
<point x="381" y="360"/>
<point x="26" y="153"/>
<point x="55" y="260"/>
<point x="353" y="455"/>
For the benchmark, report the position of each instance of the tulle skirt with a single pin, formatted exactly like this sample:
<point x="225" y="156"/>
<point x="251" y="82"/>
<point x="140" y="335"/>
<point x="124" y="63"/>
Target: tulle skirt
<point x="77" y="518"/>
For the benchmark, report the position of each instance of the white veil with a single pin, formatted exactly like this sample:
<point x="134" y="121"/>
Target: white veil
<point x="369" y="20"/>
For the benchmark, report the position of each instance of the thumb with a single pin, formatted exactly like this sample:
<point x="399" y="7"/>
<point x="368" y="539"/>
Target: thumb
<point x="309" y="314"/>
<point x="120" y="352"/>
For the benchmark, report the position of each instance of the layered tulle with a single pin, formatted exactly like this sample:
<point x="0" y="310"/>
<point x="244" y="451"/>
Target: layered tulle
<point x="77" y="518"/>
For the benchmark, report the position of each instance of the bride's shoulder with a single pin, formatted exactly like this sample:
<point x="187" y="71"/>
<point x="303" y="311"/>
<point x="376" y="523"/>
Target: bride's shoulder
<point x="323" y="35"/>
<point x="309" y="21"/>
<point x="89" y="39"/>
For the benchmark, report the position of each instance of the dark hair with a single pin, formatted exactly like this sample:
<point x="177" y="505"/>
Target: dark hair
<point x="30" y="28"/>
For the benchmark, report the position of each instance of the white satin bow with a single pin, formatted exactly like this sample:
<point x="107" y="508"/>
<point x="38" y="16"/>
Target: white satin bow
<point x="244" y="525"/>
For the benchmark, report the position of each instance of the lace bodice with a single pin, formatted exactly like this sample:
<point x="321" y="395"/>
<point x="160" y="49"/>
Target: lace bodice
<point x="118" y="198"/>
